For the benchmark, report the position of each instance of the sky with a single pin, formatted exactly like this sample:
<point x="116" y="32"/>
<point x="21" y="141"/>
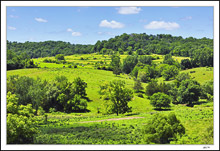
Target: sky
<point x="87" y="25"/>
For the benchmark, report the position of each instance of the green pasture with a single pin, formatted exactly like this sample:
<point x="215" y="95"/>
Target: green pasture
<point x="89" y="60"/>
<point x="77" y="128"/>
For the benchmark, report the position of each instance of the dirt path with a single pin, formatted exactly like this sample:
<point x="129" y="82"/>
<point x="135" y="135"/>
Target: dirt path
<point x="112" y="119"/>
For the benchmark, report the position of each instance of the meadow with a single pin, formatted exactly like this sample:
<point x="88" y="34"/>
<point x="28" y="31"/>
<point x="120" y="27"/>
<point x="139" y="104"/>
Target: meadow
<point x="96" y="126"/>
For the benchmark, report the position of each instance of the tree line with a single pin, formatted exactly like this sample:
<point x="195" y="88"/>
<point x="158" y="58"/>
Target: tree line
<point x="47" y="48"/>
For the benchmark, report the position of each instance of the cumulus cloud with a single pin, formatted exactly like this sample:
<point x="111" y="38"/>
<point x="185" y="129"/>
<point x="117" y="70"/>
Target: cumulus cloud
<point x="74" y="33"/>
<point x="69" y="30"/>
<point x="112" y="24"/>
<point x="129" y="10"/>
<point x="11" y="28"/>
<point x="187" y="18"/>
<point x="41" y="20"/>
<point x="162" y="25"/>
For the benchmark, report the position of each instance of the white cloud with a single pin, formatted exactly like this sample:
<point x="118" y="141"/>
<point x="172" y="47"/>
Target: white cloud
<point x="76" y="33"/>
<point x="187" y="18"/>
<point x="112" y="24"/>
<point x="11" y="28"/>
<point x="162" y="25"/>
<point x="128" y="10"/>
<point x="12" y="16"/>
<point x="41" y="20"/>
<point x="69" y="30"/>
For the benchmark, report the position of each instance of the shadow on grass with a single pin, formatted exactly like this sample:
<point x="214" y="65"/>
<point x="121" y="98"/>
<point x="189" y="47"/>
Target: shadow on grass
<point x="132" y="114"/>
<point x="200" y="102"/>
<point x="162" y="109"/>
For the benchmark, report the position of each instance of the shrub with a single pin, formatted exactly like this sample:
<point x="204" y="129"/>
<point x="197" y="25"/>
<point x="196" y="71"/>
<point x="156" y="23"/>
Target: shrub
<point x="21" y="124"/>
<point x="152" y="88"/>
<point x="160" y="100"/>
<point x="162" y="129"/>
<point x="137" y="85"/>
<point x="188" y="92"/>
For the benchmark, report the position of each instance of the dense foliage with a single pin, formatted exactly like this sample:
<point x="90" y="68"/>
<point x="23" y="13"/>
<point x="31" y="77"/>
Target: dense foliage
<point x="162" y="129"/>
<point x="21" y="123"/>
<point x="160" y="100"/>
<point x="47" y="48"/>
<point x="20" y="61"/>
<point x="58" y="94"/>
<point x="117" y="97"/>
<point x="115" y="64"/>
<point x="200" y="50"/>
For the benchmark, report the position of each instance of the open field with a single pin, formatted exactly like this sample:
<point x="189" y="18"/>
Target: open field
<point x="77" y="128"/>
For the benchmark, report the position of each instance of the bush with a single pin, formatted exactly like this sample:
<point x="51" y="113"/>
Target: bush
<point x="40" y="111"/>
<point x="21" y="123"/>
<point x="59" y="57"/>
<point x="52" y="110"/>
<point x="188" y="92"/>
<point x="75" y="66"/>
<point x="162" y="129"/>
<point x="137" y="85"/>
<point x="160" y="100"/>
<point x="152" y="88"/>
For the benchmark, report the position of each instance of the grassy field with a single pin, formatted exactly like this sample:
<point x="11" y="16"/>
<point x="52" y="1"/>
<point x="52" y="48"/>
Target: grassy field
<point x="93" y="127"/>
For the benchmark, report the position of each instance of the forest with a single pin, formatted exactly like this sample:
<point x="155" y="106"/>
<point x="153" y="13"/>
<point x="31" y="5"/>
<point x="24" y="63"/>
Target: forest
<point x="130" y="89"/>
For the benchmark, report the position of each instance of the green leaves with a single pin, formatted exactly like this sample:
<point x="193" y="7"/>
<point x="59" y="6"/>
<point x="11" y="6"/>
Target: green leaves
<point x="188" y="92"/>
<point x="160" y="100"/>
<point x="162" y="129"/>
<point x="21" y="124"/>
<point x="170" y="72"/>
<point x="117" y="97"/>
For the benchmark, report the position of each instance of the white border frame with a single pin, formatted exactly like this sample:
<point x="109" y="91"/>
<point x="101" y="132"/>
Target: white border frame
<point x="215" y="4"/>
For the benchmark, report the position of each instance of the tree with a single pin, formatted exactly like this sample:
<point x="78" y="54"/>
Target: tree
<point x="116" y="64"/>
<point x="162" y="129"/>
<point x="186" y="64"/>
<point x="170" y="72"/>
<point x="188" y="92"/>
<point x="116" y="97"/>
<point x="79" y="87"/>
<point x="159" y="100"/>
<point x="59" y="57"/>
<point x="129" y="63"/>
<point x="152" y="88"/>
<point x="145" y="59"/>
<point x="70" y="95"/>
<point x="207" y="90"/>
<point x="181" y="77"/>
<point x="21" y="123"/>
<point x="137" y="85"/>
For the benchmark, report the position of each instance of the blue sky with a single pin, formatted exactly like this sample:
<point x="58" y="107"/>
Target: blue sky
<point x="86" y="25"/>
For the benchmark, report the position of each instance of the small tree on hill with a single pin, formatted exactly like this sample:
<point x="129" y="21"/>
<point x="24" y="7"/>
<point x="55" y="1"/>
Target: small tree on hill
<point x="170" y="72"/>
<point x="137" y="85"/>
<point x="188" y="92"/>
<point x="116" y="64"/>
<point x="152" y="88"/>
<point x="117" y="97"/>
<point x="59" y="57"/>
<point x="160" y="100"/>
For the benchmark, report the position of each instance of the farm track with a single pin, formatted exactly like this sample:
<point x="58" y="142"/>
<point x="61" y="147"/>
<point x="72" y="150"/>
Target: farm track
<point x="112" y="119"/>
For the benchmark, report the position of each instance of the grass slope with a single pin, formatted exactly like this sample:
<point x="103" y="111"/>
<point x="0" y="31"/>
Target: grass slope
<point x="62" y="128"/>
